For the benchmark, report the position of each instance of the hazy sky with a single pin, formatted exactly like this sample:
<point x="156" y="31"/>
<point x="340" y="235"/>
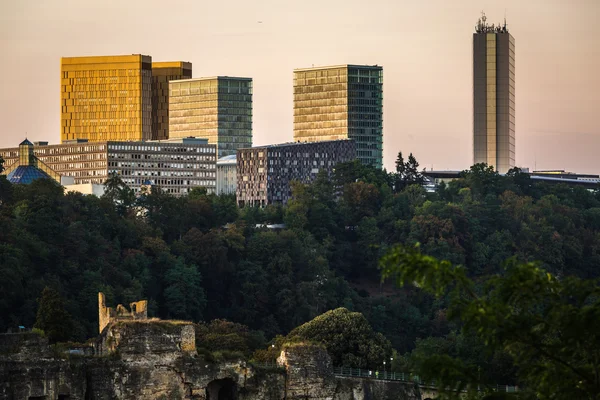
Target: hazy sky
<point x="424" y="47"/>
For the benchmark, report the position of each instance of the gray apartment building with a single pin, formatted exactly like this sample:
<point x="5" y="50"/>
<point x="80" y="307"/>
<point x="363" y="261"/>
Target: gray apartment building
<point x="176" y="166"/>
<point x="341" y="102"/>
<point x="493" y="96"/>
<point x="264" y="173"/>
<point x="218" y="109"/>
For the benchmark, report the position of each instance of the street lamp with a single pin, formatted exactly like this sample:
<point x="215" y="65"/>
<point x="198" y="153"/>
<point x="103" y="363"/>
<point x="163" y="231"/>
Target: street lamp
<point x="384" y="371"/>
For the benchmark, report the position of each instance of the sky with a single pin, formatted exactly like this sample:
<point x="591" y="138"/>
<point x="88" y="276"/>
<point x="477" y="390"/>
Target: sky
<point x="424" y="46"/>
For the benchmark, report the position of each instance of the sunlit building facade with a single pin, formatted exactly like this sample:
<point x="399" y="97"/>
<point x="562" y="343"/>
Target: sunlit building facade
<point x="176" y="166"/>
<point x="106" y="98"/>
<point x="341" y="102"/>
<point x="218" y="109"/>
<point x="493" y="96"/>
<point x="264" y="173"/>
<point x="162" y="73"/>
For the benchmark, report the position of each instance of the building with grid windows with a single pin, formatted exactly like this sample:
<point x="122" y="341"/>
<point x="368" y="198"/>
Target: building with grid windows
<point x="218" y="109"/>
<point x="341" y="102"/>
<point x="264" y="173"/>
<point x="162" y="73"/>
<point x="493" y="96"/>
<point x="106" y="98"/>
<point x="176" y="166"/>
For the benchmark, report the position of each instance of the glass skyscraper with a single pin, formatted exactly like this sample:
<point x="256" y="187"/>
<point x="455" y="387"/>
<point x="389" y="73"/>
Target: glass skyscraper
<point x="106" y="98"/>
<point x="162" y="73"/>
<point x="218" y="109"/>
<point x="341" y="102"/>
<point x="493" y="96"/>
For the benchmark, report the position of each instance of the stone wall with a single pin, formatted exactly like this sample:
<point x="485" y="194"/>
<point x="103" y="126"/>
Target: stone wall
<point x="138" y="310"/>
<point x="309" y="375"/>
<point x="154" y="360"/>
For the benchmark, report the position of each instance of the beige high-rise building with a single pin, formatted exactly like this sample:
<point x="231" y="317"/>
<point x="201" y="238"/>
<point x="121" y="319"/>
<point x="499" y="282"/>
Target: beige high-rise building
<point x="106" y="98"/>
<point x="493" y="96"/>
<point x="341" y="102"/>
<point x="218" y="109"/>
<point x="162" y="73"/>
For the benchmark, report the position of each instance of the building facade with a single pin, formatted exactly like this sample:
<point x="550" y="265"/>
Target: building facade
<point x="218" y="109"/>
<point x="176" y="166"/>
<point x="341" y="102"/>
<point x="493" y="96"/>
<point x="264" y="173"/>
<point x="226" y="175"/>
<point x="106" y="98"/>
<point x="162" y="73"/>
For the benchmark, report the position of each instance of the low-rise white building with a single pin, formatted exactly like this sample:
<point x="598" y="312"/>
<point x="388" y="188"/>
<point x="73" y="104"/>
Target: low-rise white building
<point x="226" y="175"/>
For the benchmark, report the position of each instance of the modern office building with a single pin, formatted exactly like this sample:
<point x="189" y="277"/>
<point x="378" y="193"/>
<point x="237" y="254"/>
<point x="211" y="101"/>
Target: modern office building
<point x="218" y="109"/>
<point x="106" y="98"/>
<point x="226" y="174"/>
<point x="341" y="102"/>
<point x="26" y="167"/>
<point x="176" y="165"/>
<point x="493" y="96"/>
<point x="162" y="73"/>
<point x="264" y="173"/>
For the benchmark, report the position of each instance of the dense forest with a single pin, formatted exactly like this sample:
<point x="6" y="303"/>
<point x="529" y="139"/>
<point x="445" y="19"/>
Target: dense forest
<point x="201" y="258"/>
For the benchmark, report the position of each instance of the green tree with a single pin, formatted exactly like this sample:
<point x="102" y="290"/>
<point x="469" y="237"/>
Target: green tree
<point x="1" y="164"/>
<point x="119" y="193"/>
<point x="348" y="337"/>
<point x="549" y="326"/>
<point x="184" y="297"/>
<point x="52" y="317"/>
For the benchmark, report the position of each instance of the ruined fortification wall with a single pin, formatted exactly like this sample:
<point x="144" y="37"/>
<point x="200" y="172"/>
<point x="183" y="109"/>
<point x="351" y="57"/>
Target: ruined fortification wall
<point x="154" y="360"/>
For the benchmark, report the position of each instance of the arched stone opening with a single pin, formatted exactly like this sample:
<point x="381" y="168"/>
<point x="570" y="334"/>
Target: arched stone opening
<point x="221" y="389"/>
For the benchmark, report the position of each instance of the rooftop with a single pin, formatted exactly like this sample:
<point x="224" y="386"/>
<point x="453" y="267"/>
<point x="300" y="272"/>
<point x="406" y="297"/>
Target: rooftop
<point x="231" y="159"/>
<point x="211" y="78"/>
<point x="288" y="144"/>
<point x="339" y="66"/>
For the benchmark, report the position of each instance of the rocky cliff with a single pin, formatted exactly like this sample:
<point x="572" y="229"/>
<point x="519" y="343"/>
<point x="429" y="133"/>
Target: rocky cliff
<point x="152" y="360"/>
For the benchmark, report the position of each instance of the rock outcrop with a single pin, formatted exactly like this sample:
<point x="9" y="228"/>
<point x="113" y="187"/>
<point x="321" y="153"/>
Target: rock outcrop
<point x="157" y="360"/>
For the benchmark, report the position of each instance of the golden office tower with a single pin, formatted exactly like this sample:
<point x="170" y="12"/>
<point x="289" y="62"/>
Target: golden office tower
<point x="162" y="73"/>
<point x="341" y="102"/>
<point x="218" y="109"/>
<point x="106" y="98"/>
<point x="493" y="96"/>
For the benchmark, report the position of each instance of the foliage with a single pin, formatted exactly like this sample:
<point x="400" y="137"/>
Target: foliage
<point x="52" y="318"/>
<point x="548" y="326"/>
<point x="225" y="336"/>
<point x="348" y="338"/>
<point x="199" y="258"/>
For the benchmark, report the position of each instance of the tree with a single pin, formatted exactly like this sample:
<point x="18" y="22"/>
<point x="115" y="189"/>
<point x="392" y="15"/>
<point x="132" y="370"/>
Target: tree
<point x="52" y="316"/>
<point x="550" y="327"/>
<point x="407" y="173"/>
<point x="118" y="193"/>
<point x="184" y="297"/>
<point x="348" y="337"/>
<point x="1" y="164"/>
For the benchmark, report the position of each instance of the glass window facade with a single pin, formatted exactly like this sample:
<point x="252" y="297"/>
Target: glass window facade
<point x="174" y="166"/>
<point x="264" y="173"/>
<point x="494" y="97"/>
<point x="218" y="109"/>
<point x="341" y="102"/>
<point x="106" y="98"/>
<point x="162" y="73"/>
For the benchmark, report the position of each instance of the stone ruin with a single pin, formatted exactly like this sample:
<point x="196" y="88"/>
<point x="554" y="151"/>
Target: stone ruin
<point x="137" y="311"/>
